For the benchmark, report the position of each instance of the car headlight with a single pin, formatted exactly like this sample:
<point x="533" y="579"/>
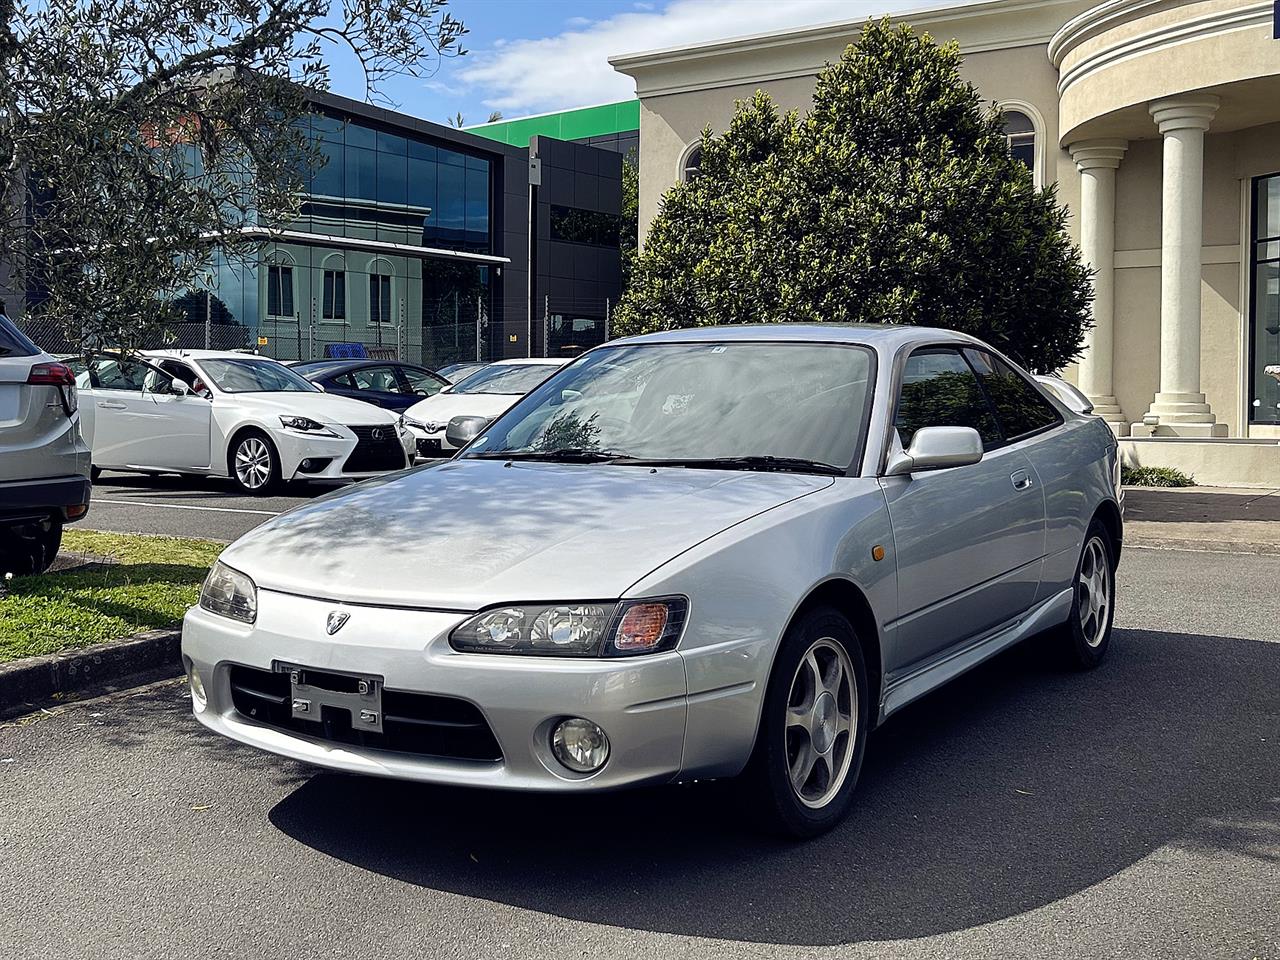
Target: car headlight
<point x="229" y="593"/>
<point x="623" y="629"/>
<point x="306" y="425"/>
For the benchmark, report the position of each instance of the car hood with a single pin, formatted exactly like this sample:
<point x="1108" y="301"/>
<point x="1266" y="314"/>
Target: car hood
<point x="443" y="407"/>
<point x="324" y="407"/>
<point x="465" y="534"/>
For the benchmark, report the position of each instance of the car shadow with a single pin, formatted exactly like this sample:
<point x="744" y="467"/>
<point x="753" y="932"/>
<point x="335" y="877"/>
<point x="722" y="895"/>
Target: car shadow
<point x="179" y="486"/>
<point x="1012" y="788"/>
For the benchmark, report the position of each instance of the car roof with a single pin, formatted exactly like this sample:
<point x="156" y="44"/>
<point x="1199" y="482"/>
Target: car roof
<point x="203" y="355"/>
<point x="884" y="336"/>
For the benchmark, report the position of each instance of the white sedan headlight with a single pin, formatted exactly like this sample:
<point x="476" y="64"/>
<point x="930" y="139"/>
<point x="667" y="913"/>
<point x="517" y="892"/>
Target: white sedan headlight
<point x="306" y="425"/>
<point x="229" y="593"/>
<point x="575" y="629"/>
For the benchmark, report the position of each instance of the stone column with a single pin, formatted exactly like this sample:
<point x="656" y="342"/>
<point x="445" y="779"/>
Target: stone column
<point x="1097" y="161"/>
<point x="1179" y="409"/>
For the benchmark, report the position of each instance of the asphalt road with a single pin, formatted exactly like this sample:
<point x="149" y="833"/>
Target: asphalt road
<point x="180" y="506"/>
<point x="1023" y="812"/>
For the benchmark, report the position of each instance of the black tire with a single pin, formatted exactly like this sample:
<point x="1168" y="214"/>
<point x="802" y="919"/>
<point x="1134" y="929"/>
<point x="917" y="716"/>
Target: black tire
<point x="95" y="473"/>
<point x="264" y="477"/>
<point x="1084" y="639"/>
<point x="30" y="547"/>
<point x="780" y="745"/>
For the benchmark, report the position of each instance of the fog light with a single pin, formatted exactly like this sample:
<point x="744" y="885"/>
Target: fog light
<point x="580" y="745"/>
<point x="198" y="697"/>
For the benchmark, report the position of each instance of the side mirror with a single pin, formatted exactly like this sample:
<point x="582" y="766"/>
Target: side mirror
<point x="936" y="448"/>
<point x="178" y="387"/>
<point x="462" y="430"/>
<point x="568" y="396"/>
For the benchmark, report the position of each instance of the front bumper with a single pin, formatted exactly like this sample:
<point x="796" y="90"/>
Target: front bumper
<point x="48" y="496"/>
<point x="295" y="447"/>
<point x="640" y="703"/>
<point x="431" y="445"/>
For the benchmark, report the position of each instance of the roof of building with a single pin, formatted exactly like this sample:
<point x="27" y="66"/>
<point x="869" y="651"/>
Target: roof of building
<point x="577" y="124"/>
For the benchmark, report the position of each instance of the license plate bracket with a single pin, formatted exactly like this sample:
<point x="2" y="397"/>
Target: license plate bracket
<point x="312" y="690"/>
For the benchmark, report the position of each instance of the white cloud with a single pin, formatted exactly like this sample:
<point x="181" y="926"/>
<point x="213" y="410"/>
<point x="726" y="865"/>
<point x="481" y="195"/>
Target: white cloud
<point x="572" y="68"/>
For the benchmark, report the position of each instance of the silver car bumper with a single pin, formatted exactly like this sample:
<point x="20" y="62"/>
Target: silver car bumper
<point x="640" y="703"/>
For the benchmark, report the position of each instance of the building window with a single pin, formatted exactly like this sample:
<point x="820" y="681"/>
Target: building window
<point x="334" y="304"/>
<point x="571" y="225"/>
<point x="1020" y="133"/>
<point x="280" y="290"/>
<point x="1264" y="306"/>
<point x="379" y="298"/>
<point x="692" y="164"/>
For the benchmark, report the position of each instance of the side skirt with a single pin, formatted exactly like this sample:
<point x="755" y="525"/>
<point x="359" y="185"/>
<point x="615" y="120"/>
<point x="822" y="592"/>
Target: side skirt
<point x="1049" y="613"/>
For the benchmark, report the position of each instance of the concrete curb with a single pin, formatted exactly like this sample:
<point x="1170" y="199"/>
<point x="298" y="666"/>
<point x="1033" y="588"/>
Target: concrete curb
<point x="1204" y="546"/>
<point x="26" y="684"/>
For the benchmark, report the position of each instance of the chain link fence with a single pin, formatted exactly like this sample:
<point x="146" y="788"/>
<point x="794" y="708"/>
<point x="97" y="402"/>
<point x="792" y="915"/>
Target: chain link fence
<point x="568" y="326"/>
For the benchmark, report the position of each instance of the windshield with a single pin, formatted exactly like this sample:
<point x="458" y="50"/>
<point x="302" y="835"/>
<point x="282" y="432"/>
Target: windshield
<point x="695" y="403"/>
<point x="505" y="378"/>
<point x="254" y="376"/>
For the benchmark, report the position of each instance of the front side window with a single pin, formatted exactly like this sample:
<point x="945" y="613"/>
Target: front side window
<point x="378" y="379"/>
<point x="1264" y="307"/>
<point x="280" y="290"/>
<point x="379" y="298"/>
<point x="420" y="383"/>
<point x="939" y="389"/>
<point x="698" y="403"/>
<point x="334" y="304"/>
<point x="1020" y="408"/>
<point x="234" y="375"/>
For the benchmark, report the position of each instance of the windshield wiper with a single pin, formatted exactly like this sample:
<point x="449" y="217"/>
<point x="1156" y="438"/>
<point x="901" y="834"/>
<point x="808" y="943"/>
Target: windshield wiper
<point x="759" y="463"/>
<point x="559" y="455"/>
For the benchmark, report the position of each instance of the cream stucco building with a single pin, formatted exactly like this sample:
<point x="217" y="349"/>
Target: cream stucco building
<point x="1160" y="122"/>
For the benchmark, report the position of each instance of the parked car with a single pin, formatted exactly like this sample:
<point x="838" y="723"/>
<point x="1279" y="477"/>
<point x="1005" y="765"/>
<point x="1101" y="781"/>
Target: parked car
<point x="485" y="394"/>
<point x="44" y="461"/>
<point x="457" y="372"/>
<point x="696" y="554"/>
<point x="384" y="383"/>
<point x="233" y="415"/>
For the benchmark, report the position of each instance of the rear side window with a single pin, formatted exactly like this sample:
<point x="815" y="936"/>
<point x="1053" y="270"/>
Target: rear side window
<point x="940" y="390"/>
<point x="1021" y="409"/>
<point x="13" y="342"/>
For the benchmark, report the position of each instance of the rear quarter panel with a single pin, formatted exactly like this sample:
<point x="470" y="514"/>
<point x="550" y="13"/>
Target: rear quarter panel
<point x="1075" y="468"/>
<point x="744" y="586"/>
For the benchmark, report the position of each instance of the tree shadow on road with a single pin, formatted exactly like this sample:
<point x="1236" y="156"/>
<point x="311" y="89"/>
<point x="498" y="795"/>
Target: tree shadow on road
<point x="1016" y="786"/>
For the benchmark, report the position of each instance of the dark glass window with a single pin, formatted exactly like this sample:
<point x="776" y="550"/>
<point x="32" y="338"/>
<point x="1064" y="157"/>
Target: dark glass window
<point x="1020" y="133"/>
<point x="1264" y="307"/>
<point x="329" y="179"/>
<point x="940" y="390"/>
<point x="379" y="298"/>
<point x="585" y="226"/>
<point x="334" y="306"/>
<point x="1020" y="408"/>
<point x="451" y="195"/>
<point x="279" y="290"/>
<point x="13" y="342"/>
<point x="478" y="205"/>
<point x="362" y="173"/>
<point x="692" y="164"/>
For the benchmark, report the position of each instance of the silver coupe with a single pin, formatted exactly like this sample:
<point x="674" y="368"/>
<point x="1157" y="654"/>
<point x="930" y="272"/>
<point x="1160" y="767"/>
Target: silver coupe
<point x="716" y="552"/>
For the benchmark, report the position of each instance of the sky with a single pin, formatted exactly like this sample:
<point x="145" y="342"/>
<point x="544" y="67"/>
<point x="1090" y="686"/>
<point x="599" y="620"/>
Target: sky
<point x="536" y="56"/>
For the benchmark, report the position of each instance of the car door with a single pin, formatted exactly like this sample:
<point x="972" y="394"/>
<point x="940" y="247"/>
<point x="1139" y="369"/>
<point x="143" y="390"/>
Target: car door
<point x="378" y="385"/>
<point x="180" y="438"/>
<point x="969" y="540"/>
<point x="122" y="417"/>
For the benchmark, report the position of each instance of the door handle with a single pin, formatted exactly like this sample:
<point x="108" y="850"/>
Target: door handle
<point x="1021" y="480"/>
<point x="111" y="405"/>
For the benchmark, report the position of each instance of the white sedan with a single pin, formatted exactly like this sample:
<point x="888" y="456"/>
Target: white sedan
<point x="233" y="415"/>
<point x="486" y="393"/>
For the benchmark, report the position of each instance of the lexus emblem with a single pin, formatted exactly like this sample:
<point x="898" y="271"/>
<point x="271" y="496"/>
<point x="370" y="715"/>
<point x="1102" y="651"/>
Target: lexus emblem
<point x="336" y="621"/>
<point x="377" y="435"/>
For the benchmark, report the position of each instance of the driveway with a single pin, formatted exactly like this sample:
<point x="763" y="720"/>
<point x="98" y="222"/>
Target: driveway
<point x="1022" y="812"/>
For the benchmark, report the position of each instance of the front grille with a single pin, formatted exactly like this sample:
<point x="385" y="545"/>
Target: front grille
<point x="417" y="723"/>
<point x="381" y="453"/>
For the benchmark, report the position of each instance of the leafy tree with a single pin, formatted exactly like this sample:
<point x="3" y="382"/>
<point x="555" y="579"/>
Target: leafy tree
<point x="894" y="200"/>
<point x="629" y="224"/>
<point x="136" y="134"/>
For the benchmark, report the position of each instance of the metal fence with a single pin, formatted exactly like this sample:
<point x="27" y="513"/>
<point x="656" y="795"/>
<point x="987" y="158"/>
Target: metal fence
<point x="570" y="326"/>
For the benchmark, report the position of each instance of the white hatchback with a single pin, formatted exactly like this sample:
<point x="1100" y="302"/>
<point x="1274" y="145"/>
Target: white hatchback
<point x="233" y="415"/>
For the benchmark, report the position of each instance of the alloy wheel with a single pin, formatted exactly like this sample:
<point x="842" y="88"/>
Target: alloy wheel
<point x="822" y="710"/>
<point x="253" y="463"/>
<point x="1093" y="587"/>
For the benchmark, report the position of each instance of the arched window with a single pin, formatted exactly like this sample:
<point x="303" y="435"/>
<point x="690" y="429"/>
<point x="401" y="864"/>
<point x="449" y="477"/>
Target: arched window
<point x="380" y="293"/>
<point x="333" y="303"/>
<point x="692" y="163"/>
<point x="1020" y="132"/>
